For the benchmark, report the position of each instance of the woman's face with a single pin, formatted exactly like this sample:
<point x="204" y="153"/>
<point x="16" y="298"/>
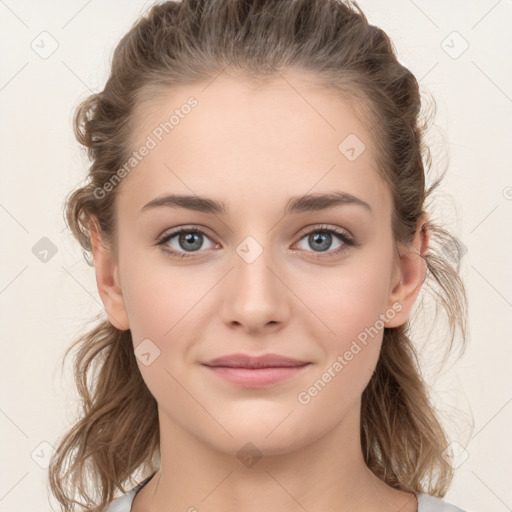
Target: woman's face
<point x="268" y="273"/>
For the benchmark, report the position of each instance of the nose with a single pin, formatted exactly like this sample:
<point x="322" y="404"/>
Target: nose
<point x="255" y="295"/>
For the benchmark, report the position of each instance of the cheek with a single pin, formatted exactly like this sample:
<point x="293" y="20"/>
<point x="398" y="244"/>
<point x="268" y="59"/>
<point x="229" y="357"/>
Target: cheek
<point x="159" y="297"/>
<point x="350" y="302"/>
<point x="160" y="306"/>
<point x="351" y="352"/>
<point x="348" y="299"/>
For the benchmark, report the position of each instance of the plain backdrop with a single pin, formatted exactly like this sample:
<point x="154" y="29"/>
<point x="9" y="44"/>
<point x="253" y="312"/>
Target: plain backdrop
<point x="461" y="54"/>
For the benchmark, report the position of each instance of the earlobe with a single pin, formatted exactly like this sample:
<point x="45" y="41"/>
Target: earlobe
<point x="107" y="280"/>
<point x="412" y="271"/>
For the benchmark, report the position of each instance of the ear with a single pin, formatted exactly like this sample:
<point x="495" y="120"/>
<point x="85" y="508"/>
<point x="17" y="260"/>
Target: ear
<point x="410" y="271"/>
<point x="107" y="279"/>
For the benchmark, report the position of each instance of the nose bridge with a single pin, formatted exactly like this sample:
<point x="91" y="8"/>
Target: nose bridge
<point x="256" y="296"/>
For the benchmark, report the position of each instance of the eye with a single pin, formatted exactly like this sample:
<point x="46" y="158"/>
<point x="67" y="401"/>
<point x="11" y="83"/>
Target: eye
<point x="321" y="239"/>
<point x="191" y="239"/>
<point x="187" y="239"/>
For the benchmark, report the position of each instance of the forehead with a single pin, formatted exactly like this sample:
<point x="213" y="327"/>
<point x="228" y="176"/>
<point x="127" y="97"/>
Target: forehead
<point x="240" y="138"/>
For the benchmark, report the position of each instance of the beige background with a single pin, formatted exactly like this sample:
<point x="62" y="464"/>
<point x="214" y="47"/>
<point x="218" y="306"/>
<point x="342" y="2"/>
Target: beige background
<point x="45" y="305"/>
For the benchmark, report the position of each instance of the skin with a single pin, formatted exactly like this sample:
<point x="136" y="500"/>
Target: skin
<point x="254" y="147"/>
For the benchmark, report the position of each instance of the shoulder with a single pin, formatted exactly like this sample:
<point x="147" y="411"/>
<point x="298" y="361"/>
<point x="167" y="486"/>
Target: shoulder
<point x="122" y="503"/>
<point x="427" y="503"/>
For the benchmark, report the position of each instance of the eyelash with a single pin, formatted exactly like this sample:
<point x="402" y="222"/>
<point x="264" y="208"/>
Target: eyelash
<point x="346" y="239"/>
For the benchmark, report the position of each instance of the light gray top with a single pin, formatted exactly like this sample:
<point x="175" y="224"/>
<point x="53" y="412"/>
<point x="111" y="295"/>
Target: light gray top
<point x="426" y="503"/>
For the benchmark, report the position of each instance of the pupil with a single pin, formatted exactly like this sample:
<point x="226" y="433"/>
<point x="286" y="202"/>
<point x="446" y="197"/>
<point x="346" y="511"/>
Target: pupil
<point x="190" y="238"/>
<point x="323" y="238"/>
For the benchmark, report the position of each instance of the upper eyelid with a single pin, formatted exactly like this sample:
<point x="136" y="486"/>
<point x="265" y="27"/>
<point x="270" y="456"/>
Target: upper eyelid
<point x="171" y="233"/>
<point x="324" y="227"/>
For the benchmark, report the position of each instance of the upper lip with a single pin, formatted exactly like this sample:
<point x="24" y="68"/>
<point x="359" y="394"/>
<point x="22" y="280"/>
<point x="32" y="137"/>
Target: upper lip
<point x="248" y="361"/>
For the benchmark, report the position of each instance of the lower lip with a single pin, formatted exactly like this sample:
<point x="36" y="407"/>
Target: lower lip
<point x="257" y="377"/>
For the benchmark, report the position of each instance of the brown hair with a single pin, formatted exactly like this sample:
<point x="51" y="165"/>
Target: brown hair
<point x="193" y="41"/>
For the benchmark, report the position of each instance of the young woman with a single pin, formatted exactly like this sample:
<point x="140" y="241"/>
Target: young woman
<point x="256" y="215"/>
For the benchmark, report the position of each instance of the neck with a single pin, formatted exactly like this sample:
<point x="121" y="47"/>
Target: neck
<point x="326" y="474"/>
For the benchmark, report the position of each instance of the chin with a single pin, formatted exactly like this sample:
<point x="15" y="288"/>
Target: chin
<point x="261" y="439"/>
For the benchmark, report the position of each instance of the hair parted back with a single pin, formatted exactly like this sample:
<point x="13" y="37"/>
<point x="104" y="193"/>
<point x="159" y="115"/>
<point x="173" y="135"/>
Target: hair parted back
<point x="193" y="41"/>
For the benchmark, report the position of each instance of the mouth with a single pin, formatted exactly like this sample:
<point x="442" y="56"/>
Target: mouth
<point x="256" y="376"/>
<point x="249" y="361"/>
<point x="255" y="371"/>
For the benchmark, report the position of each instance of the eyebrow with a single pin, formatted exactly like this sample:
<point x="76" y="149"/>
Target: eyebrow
<point x="296" y="204"/>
